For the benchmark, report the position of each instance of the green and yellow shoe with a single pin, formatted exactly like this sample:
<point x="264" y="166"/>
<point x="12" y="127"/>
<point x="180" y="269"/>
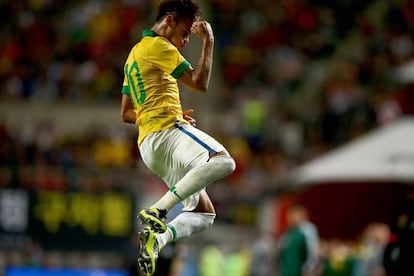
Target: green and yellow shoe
<point x="154" y="218"/>
<point x="148" y="251"/>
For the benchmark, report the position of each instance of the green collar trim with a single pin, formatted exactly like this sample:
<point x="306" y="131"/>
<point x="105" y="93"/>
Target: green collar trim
<point x="149" y="33"/>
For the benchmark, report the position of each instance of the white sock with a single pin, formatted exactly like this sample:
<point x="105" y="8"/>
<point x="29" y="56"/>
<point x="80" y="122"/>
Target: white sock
<point x="196" y="179"/>
<point x="185" y="225"/>
<point x="166" y="202"/>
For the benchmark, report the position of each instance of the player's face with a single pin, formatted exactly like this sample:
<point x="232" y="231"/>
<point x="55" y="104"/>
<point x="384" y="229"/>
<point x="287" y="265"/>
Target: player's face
<point x="180" y="33"/>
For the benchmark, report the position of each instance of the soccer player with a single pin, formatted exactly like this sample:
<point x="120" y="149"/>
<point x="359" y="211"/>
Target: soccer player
<point x="184" y="157"/>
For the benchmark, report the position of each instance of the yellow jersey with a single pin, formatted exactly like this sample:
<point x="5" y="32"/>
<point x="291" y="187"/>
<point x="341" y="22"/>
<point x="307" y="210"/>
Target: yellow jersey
<point x="150" y="78"/>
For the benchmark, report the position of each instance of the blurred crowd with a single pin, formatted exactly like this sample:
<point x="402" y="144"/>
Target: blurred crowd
<point x="67" y="50"/>
<point x="281" y="49"/>
<point x="296" y="79"/>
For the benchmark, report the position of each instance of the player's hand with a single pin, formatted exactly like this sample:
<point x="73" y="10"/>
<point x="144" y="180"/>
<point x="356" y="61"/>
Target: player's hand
<point x="202" y="29"/>
<point x="188" y="118"/>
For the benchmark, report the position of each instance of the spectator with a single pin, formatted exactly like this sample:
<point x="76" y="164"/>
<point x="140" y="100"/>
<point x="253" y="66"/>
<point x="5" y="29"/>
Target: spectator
<point x="298" y="253"/>
<point x="371" y="249"/>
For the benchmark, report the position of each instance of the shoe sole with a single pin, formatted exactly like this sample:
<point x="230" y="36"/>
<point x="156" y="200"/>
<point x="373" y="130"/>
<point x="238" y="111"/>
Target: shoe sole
<point x="156" y="224"/>
<point x="145" y="262"/>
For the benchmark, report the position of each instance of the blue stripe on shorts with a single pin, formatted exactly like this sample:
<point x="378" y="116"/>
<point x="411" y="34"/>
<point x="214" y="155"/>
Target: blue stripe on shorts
<point x="195" y="138"/>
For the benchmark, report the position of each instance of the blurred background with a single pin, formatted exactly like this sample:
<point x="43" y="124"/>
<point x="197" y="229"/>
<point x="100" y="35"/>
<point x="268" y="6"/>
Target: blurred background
<point x="313" y="98"/>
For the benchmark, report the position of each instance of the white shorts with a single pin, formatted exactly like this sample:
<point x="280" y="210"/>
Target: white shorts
<point x="172" y="152"/>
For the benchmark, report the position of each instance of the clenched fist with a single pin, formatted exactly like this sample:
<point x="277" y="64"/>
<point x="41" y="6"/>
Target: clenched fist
<point x="202" y="29"/>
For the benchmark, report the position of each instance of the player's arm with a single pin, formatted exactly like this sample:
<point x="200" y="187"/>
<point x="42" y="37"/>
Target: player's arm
<point x="127" y="110"/>
<point x="199" y="78"/>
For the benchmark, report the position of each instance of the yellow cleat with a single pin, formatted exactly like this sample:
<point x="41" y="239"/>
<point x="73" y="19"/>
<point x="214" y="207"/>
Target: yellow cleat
<point x="154" y="218"/>
<point x="148" y="251"/>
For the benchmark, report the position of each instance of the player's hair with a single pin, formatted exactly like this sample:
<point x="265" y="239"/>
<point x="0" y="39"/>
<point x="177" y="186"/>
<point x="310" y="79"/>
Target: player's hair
<point x="179" y="9"/>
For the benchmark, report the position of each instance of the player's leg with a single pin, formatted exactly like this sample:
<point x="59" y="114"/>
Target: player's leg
<point x="210" y="162"/>
<point x="192" y="168"/>
<point x="199" y="177"/>
<point x="184" y="225"/>
<point x="195" y="180"/>
<point x="189" y="223"/>
<point x="204" y="159"/>
<point x="155" y="152"/>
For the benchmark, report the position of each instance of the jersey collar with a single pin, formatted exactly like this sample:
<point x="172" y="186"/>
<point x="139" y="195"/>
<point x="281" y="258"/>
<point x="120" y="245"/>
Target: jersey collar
<point x="149" y="33"/>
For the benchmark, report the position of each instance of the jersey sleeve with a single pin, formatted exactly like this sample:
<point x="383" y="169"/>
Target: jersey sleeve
<point x="167" y="57"/>
<point x="125" y="86"/>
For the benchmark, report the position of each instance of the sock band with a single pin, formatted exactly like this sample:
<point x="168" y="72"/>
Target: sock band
<point x="173" y="231"/>
<point x="173" y="190"/>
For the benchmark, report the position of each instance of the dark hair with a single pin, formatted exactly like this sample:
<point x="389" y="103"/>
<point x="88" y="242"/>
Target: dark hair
<point x="180" y="9"/>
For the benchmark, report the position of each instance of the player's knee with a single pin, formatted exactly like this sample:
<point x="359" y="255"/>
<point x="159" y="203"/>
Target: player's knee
<point x="209" y="218"/>
<point x="227" y="164"/>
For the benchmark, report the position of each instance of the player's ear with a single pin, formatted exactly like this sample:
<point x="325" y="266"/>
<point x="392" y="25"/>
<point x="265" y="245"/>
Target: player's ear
<point x="170" y="20"/>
